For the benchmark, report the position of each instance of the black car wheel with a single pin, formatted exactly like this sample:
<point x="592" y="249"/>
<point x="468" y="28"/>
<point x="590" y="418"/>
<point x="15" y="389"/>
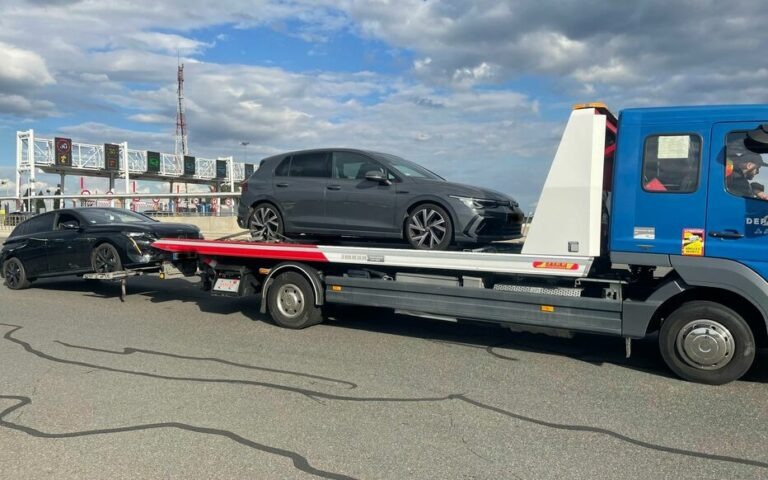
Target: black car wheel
<point x="266" y="224"/>
<point x="105" y="259"/>
<point x="15" y="274"/>
<point x="429" y="227"/>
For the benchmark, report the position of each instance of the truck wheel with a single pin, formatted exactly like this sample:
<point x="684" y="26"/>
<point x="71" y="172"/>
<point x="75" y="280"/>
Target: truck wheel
<point x="707" y="342"/>
<point x="291" y="302"/>
<point x="15" y="274"/>
<point x="429" y="227"/>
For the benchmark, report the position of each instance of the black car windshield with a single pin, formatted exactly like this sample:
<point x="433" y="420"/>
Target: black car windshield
<point x="408" y="169"/>
<point x="98" y="216"/>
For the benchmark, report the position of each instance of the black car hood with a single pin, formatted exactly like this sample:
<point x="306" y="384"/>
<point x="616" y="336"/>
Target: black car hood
<point x="453" y="188"/>
<point x="159" y="229"/>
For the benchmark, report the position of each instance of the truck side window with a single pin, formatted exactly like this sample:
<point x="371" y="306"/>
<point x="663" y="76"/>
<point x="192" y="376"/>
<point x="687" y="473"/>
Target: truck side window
<point x="743" y="160"/>
<point x="671" y="163"/>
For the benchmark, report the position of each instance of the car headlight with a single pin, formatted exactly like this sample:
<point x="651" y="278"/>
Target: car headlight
<point x="477" y="203"/>
<point x="137" y="234"/>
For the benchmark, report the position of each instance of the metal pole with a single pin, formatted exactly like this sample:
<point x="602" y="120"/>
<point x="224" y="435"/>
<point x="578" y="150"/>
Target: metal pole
<point x="19" y="159"/>
<point x="31" y="156"/>
<point x="126" y="172"/>
<point x="231" y="174"/>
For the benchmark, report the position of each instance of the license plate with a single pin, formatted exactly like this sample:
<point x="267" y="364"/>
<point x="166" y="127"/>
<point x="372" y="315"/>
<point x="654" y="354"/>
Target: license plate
<point x="231" y="285"/>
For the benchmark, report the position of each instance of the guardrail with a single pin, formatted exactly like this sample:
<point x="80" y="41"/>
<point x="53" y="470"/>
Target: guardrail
<point x="202" y="204"/>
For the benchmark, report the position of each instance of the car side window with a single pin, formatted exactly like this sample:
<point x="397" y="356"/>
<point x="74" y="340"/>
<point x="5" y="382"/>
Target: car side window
<point x="283" y="168"/>
<point x="39" y="224"/>
<point x="352" y="166"/>
<point x="310" y="165"/>
<point x="671" y="163"/>
<point x="66" y="218"/>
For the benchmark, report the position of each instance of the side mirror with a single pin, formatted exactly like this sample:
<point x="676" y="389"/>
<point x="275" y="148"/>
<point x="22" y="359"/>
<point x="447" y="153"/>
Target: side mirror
<point x="70" y="225"/>
<point x="377" y="176"/>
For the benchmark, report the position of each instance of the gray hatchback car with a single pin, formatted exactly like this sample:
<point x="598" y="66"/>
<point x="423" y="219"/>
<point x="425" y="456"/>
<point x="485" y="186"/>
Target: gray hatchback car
<point x="343" y="192"/>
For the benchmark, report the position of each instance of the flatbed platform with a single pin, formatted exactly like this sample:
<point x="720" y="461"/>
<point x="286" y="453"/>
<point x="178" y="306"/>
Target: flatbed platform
<point x="474" y="261"/>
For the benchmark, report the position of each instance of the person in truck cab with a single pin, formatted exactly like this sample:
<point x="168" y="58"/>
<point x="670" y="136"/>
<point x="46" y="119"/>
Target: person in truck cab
<point x="745" y="166"/>
<point x="758" y="190"/>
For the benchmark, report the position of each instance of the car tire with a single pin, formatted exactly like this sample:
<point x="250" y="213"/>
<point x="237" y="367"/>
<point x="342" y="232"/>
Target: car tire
<point x="706" y="342"/>
<point x="15" y="274"/>
<point x="291" y="302"/>
<point x="105" y="259"/>
<point x="429" y="227"/>
<point x="265" y="223"/>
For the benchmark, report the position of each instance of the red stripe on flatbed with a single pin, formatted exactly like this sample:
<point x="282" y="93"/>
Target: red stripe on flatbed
<point x="242" y="249"/>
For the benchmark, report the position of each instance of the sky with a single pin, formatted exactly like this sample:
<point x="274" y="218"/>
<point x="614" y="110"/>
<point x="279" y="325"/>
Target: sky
<point x="476" y="90"/>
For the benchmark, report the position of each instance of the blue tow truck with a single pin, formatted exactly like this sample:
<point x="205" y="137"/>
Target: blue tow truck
<point x="652" y="222"/>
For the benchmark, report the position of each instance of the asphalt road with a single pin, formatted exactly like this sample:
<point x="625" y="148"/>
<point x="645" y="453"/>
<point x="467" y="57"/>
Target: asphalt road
<point x="177" y="384"/>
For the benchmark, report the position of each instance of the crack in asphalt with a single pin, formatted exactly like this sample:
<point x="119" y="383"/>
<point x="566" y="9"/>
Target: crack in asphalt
<point x="129" y="351"/>
<point x="327" y="396"/>
<point x="299" y="461"/>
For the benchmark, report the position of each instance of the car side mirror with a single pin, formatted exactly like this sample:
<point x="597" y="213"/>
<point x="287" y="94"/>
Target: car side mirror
<point x="70" y="225"/>
<point x="377" y="176"/>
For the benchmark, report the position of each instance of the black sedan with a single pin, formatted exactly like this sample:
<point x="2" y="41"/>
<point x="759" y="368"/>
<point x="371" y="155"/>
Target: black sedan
<point x="84" y="240"/>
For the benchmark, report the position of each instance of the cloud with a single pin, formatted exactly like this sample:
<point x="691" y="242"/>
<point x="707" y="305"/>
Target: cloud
<point x="20" y="68"/>
<point x="481" y="96"/>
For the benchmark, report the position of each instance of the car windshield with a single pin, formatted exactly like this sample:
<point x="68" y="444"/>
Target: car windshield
<point x="408" y="169"/>
<point x="106" y="216"/>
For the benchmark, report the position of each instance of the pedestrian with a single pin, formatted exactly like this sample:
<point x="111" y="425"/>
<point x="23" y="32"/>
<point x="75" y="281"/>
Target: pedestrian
<point x="57" y="201"/>
<point x="39" y="203"/>
<point x="25" y="206"/>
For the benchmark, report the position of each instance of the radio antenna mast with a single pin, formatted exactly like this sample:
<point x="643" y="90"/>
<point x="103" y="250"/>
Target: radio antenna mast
<point x="181" y="118"/>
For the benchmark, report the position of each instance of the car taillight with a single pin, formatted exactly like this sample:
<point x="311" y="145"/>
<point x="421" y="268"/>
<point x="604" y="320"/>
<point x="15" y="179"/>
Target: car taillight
<point x="244" y="187"/>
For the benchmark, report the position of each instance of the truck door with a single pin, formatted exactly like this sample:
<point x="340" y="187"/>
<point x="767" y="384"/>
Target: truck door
<point x="737" y="207"/>
<point x="660" y="188"/>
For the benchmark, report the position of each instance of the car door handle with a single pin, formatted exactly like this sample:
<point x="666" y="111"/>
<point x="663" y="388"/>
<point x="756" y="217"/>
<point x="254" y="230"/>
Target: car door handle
<point x="334" y="187"/>
<point x="727" y="235"/>
<point x="281" y="185"/>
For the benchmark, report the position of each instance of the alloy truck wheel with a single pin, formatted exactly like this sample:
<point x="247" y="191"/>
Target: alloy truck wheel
<point x="707" y="342"/>
<point x="429" y="227"/>
<point x="265" y="223"/>
<point x="105" y="259"/>
<point x="291" y="302"/>
<point x="15" y="274"/>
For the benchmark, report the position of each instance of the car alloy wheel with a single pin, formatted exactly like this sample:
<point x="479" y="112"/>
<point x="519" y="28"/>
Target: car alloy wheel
<point x="428" y="228"/>
<point x="15" y="275"/>
<point x="105" y="259"/>
<point x="265" y="224"/>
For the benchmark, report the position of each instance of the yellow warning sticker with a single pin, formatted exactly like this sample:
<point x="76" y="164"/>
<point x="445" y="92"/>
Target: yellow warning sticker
<point x="693" y="242"/>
